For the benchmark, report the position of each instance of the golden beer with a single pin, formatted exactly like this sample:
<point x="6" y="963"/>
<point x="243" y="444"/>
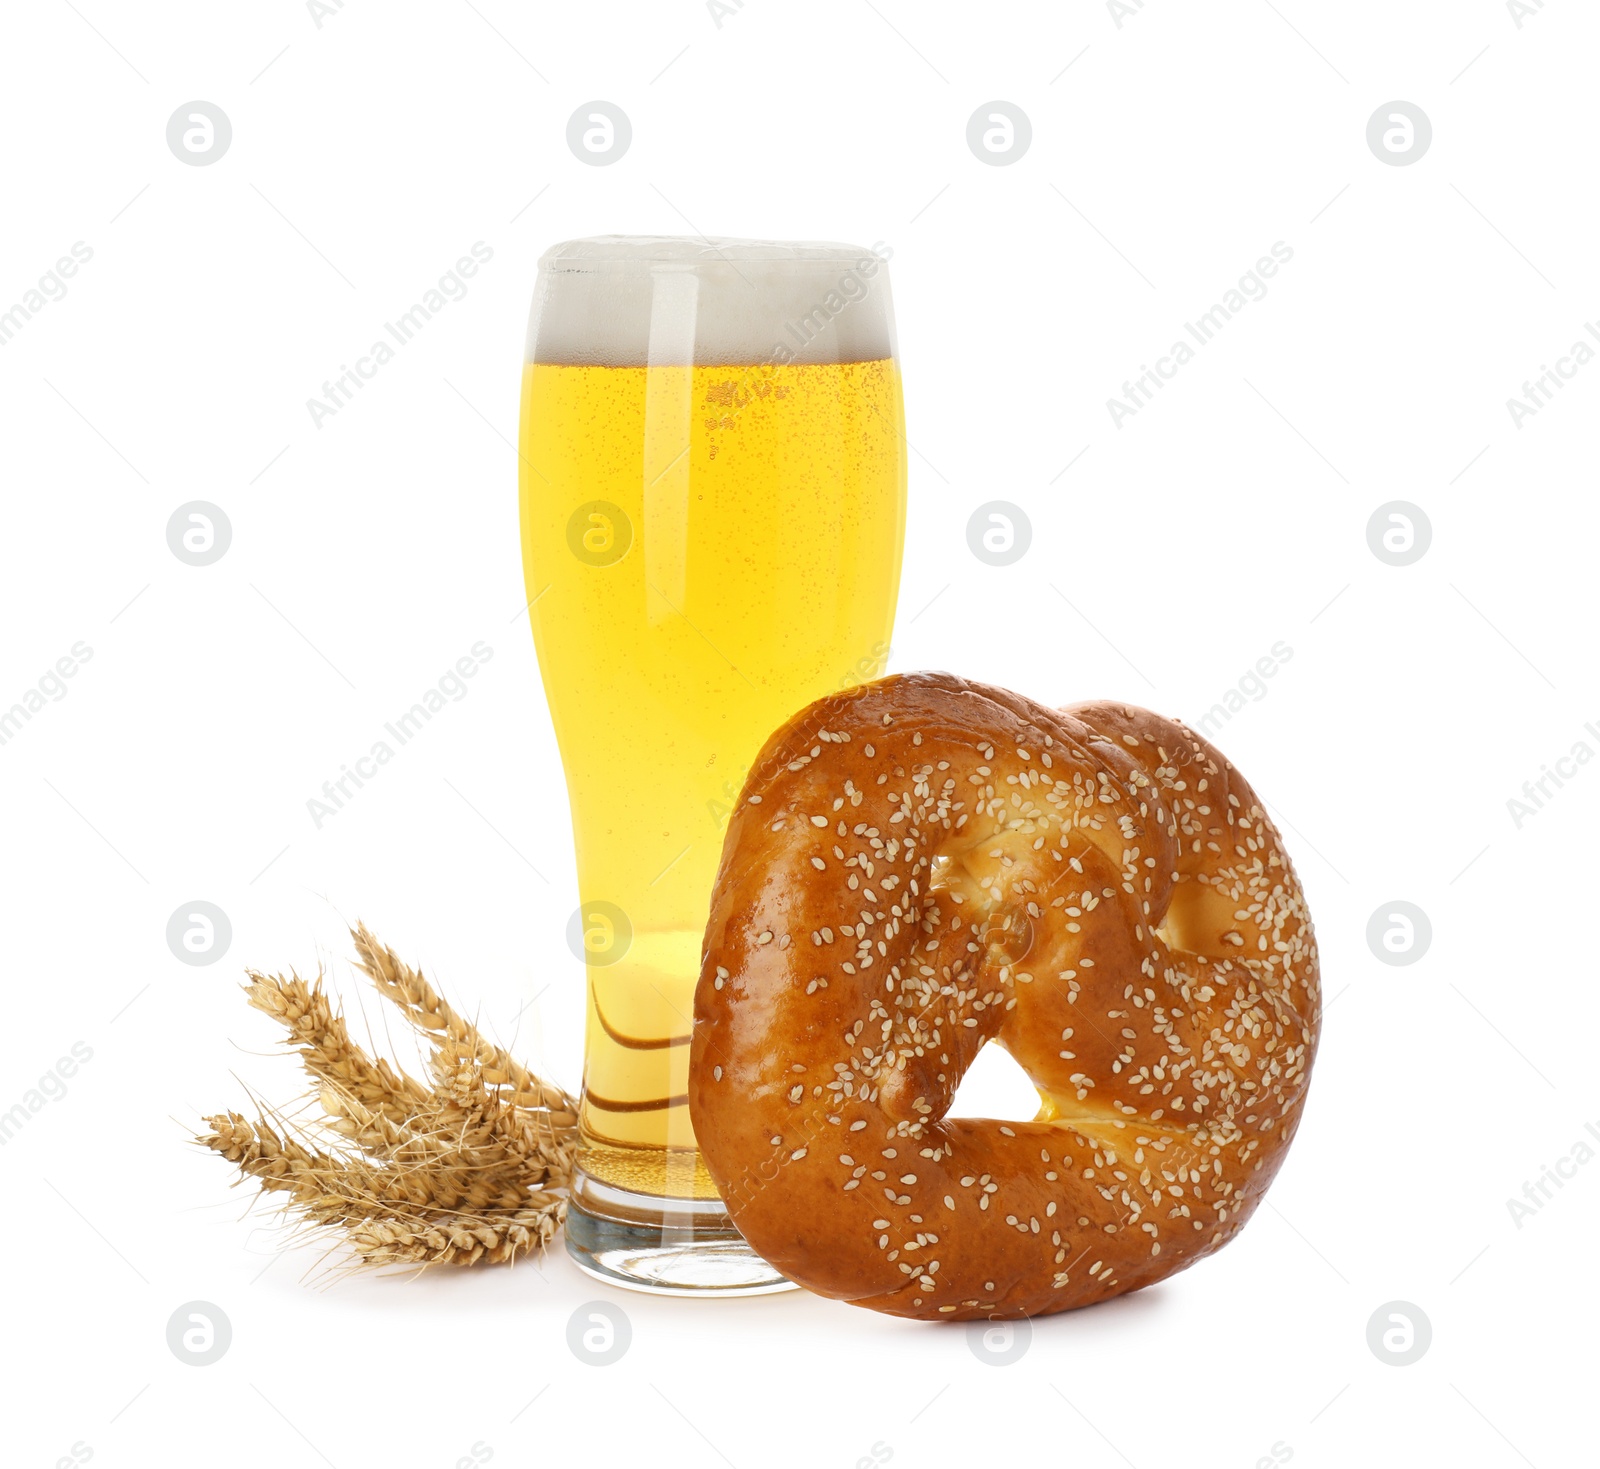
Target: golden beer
<point x="713" y="498"/>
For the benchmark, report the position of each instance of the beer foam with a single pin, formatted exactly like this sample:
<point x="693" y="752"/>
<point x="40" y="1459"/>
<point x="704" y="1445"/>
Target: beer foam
<point x="676" y="300"/>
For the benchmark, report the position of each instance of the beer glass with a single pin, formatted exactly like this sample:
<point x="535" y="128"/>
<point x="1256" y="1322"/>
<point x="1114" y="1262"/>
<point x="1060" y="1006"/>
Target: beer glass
<point x="713" y="483"/>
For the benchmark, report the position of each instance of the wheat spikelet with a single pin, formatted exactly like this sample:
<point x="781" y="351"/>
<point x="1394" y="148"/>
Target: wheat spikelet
<point x="472" y="1168"/>
<point x="320" y="1035"/>
<point x="417" y="1000"/>
<point x="460" y="1239"/>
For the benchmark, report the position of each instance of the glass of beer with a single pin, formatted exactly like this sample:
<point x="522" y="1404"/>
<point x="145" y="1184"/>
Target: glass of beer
<point x="713" y="490"/>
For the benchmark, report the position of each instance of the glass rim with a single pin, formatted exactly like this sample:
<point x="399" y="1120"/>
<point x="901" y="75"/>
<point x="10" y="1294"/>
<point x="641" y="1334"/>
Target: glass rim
<point x="625" y="252"/>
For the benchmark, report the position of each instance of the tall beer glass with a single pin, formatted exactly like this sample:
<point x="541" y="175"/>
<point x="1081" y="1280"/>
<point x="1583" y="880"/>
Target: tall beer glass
<point x="713" y="483"/>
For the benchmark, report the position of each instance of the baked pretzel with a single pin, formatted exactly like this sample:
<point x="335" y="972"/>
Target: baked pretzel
<point x="922" y="865"/>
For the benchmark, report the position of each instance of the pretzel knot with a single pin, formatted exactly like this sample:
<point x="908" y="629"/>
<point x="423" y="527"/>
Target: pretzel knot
<point x="923" y="865"/>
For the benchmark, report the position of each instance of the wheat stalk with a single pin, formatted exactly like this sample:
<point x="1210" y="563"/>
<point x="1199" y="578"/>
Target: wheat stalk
<point x="472" y="1168"/>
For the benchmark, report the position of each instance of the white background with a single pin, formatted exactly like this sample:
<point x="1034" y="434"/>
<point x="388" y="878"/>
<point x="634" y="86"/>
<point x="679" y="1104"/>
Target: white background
<point x="1169" y="153"/>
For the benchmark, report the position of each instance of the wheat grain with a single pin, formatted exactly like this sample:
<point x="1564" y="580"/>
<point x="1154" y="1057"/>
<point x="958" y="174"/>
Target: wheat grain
<point x="473" y="1168"/>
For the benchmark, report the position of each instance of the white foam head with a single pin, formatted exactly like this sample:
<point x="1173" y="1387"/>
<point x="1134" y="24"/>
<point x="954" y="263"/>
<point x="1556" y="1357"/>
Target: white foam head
<point x="633" y="300"/>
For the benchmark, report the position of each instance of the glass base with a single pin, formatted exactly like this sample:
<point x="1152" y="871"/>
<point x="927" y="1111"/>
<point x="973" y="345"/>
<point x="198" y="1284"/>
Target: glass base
<point x="666" y="1247"/>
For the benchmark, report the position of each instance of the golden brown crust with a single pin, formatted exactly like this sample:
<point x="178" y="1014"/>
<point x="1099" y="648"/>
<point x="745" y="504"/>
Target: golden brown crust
<point x="925" y="864"/>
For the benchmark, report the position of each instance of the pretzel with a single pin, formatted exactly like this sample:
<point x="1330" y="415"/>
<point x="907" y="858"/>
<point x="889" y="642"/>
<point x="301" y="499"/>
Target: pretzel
<point x="923" y="865"/>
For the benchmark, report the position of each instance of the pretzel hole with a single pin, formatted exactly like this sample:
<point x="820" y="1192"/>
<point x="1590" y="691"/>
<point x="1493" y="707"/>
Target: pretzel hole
<point x="995" y="1086"/>
<point x="1197" y="917"/>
